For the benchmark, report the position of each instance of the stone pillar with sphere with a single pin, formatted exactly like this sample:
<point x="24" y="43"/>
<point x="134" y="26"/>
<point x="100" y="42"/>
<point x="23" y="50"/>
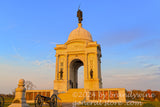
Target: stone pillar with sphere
<point x="20" y="100"/>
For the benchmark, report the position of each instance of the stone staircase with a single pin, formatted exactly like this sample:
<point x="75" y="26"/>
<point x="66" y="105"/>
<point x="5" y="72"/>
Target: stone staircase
<point x="72" y="95"/>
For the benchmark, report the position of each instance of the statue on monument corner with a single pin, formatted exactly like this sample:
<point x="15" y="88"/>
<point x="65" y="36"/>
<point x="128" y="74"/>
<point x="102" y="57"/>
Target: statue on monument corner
<point x="79" y="15"/>
<point x="61" y="74"/>
<point x="91" y="74"/>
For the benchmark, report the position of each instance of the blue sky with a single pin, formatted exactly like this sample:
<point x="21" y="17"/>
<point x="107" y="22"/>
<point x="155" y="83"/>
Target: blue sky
<point x="127" y="30"/>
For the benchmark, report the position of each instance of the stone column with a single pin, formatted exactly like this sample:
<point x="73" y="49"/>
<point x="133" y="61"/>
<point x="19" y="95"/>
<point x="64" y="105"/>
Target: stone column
<point x="86" y="72"/>
<point x="20" y="100"/>
<point x="57" y="68"/>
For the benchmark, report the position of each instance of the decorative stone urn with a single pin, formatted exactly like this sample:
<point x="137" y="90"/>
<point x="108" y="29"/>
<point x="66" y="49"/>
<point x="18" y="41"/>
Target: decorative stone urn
<point x="20" y="100"/>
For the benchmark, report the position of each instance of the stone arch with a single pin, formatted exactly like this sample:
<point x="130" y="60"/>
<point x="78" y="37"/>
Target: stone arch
<point x="74" y="65"/>
<point x="73" y="55"/>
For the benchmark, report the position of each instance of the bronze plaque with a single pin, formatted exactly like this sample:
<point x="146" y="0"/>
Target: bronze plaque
<point x="101" y="95"/>
<point x="105" y="95"/>
<point x="113" y="95"/>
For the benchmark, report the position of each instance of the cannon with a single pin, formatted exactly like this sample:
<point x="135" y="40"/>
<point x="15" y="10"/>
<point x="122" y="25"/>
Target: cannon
<point x="1" y="101"/>
<point x="52" y="101"/>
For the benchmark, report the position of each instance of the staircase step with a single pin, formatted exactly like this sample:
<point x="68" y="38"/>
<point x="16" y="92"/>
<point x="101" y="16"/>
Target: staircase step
<point x="72" y="95"/>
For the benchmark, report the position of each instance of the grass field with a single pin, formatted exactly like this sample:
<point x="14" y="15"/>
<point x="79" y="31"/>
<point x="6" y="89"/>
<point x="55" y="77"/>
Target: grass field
<point x="143" y="104"/>
<point x="8" y="101"/>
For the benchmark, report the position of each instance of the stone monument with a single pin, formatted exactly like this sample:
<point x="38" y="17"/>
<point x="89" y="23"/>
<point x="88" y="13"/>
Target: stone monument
<point x="79" y="50"/>
<point x="20" y="100"/>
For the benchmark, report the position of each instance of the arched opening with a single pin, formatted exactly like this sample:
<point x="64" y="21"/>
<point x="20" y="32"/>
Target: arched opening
<point x="74" y="68"/>
<point x="81" y="77"/>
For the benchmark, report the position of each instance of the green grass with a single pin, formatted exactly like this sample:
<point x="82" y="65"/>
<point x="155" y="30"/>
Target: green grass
<point x="155" y="104"/>
<point x="8" y="101"/>
<point x="145" y="104"/>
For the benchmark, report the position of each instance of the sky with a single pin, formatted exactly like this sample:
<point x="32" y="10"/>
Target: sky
<point x="127" y="30"/>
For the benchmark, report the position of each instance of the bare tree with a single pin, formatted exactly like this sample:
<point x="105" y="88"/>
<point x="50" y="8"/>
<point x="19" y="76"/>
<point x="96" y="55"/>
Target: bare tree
<point x="29" y="85"/>
<point x="13" y="92"/>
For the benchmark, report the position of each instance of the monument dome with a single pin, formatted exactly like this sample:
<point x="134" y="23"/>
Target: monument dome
<point x="80" y="34"/>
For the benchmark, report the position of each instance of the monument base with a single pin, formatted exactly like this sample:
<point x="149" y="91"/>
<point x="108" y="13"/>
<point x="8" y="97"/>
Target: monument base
<point x="82" y="95"/>
<point x="94" y="95"/>
<point x="19" y="105"/>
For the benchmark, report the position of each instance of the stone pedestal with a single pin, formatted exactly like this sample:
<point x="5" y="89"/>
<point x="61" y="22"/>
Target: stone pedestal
<point x="20" y="100"/>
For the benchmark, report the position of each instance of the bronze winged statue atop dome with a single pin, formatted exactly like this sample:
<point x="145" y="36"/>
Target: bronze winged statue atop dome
<point x="79" y="15"/>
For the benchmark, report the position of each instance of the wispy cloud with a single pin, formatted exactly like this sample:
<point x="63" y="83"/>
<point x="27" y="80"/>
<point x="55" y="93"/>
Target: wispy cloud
<point x="123" y="63"/>
<point x="17" y="54"/>
<point x="136" y="76"/>
<point x="44" y="64"/>
<point x="144" y="59"/>
<point x="148" y="65"/>
<point x="151" y="44"/>
<point x="54" y="43"/>
<point x="132" y="81"/>
<point x="36" y="41"/>
<point x="155" y="68"/>
<point x="41" y="73"/>
<point x="157" y="73"/>
<point x="18" y="57"/>
<point x="51" y="53"/>
<point x="122" y="37"/>
<point x="149" y="62"/>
